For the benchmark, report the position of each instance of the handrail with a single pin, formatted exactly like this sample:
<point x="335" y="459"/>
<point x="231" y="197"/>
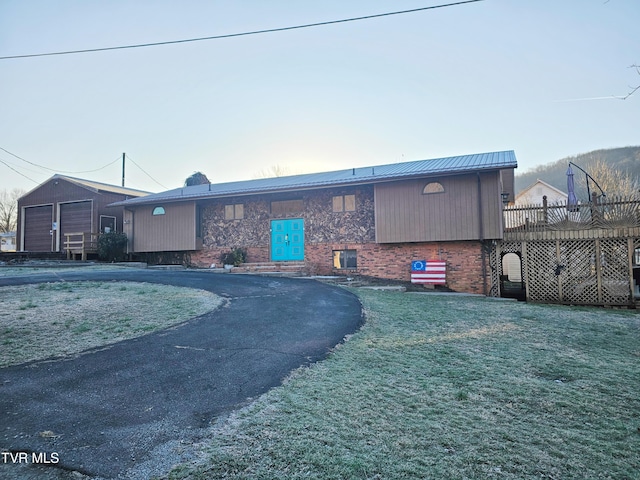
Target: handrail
<point x="603" y="212"/>
<point x="88" y="243"/>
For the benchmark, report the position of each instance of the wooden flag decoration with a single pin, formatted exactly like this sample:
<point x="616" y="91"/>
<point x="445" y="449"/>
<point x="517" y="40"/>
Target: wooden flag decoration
<point x="430" y="272"/>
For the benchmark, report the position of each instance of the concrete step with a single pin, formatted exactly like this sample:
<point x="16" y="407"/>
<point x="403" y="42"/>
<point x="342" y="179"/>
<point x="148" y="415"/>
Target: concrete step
<point x="272" y="268"/>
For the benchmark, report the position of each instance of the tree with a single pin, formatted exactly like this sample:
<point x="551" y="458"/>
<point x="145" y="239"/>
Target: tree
<point x="613" y="181"/>
<point x="633" y="89"/>
<point x="9" y="209"/>
<point x="273" y="171"/>
<point x="198" y="178"/>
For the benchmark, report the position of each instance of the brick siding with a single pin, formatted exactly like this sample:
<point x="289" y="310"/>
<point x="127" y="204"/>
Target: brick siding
<point x="326" y="231"/>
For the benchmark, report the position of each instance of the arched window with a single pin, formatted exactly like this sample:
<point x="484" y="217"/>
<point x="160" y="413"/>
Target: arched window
<point x="433" y="187"/>
<point x="158" y="211"/>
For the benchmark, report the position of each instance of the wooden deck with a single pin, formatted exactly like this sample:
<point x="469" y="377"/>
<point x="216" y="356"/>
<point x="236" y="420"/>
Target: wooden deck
<point x="80" y="243"/>
<point x="615" y="217"/>
<point x="584" y="254"/>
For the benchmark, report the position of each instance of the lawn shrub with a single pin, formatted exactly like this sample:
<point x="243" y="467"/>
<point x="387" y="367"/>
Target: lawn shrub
<point x="112" y="246"/>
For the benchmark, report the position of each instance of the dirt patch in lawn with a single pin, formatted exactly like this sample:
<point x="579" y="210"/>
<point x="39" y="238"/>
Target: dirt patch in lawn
<point x="57" y="319"/>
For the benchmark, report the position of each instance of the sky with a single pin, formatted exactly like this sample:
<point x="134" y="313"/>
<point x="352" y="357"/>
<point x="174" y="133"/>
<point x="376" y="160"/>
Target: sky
<point x="538" y="77"/>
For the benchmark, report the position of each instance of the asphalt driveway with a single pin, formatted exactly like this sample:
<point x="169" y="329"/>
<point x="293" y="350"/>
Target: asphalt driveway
<point x="125" y="410"/>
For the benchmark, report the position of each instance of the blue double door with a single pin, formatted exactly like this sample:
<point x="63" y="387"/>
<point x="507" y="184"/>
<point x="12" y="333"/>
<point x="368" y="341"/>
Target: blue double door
<point x="287" y="239"/>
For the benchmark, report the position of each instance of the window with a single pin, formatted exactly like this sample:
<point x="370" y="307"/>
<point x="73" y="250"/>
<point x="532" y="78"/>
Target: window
<point x="345" y="259"/>
<point x="158" y="211"/>
<point x="433" y="187"/>
<point x="234" y="212"/>
<point x="107" y="224"/>
<point x="344" y="203"/>
<point x="284" y="207"/>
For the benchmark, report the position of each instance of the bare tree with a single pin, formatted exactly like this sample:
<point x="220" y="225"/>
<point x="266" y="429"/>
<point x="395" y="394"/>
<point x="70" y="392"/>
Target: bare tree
<point x="273" y="171"/>
<point x="614" y="182"/>
<point x="9" y="208"/>
<point x="633" y="89"/>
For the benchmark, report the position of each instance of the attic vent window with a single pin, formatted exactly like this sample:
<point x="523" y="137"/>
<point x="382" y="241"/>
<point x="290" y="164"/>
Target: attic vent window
<point x="158" y="211"/>
<point x="433" y="187"/>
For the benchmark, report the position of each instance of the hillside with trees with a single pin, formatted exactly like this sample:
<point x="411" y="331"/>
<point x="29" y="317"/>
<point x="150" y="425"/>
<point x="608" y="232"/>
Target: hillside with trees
<point x="617" y="171"/>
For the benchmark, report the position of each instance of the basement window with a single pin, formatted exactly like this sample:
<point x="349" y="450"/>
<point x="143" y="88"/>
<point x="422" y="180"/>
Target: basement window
<point x="158" y="211"/>
<point x="344" y="259"/>
<point x="433" y="187"/>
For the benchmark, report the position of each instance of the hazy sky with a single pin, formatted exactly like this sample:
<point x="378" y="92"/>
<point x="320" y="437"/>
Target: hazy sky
<point x="527" y="75"/>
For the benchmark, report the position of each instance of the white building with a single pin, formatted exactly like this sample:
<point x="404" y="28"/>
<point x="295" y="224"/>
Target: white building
<point x="532" y="195"/>
<point x="8" y="242"/>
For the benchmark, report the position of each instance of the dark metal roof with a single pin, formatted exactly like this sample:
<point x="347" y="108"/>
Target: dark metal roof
<point x="352" y="176"/>
<point x="93" y="186"/>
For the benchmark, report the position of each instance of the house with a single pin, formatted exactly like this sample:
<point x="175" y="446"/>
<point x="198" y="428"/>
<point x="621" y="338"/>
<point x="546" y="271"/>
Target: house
<point x="533" y="194"/>
<point x="8" y="242"/>
<point x="371" y="221"/>
<point x="63" y="205"/>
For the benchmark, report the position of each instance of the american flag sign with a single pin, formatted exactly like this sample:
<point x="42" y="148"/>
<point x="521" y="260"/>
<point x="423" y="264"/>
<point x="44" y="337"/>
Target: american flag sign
<point x="430" y="272"/>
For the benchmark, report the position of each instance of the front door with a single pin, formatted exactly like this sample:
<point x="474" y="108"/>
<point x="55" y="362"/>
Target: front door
<point x="287" y="239"/>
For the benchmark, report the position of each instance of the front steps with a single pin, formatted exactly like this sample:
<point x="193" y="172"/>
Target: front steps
<point x="276" y="269"/>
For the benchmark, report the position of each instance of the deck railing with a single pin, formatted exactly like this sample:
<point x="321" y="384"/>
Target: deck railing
<point x="601" y="213"/>
<point x="80" y="243"/>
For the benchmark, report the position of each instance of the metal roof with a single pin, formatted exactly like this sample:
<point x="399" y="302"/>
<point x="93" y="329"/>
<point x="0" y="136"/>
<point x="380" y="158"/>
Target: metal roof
<point x="91" y="185"/>
<point x="352" y="176"/>
<point x="97" y="186"/>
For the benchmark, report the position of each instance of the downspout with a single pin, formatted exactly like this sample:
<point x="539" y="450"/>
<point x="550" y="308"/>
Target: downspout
<point x="128" y="230"/>
<point x="483" y="255"/>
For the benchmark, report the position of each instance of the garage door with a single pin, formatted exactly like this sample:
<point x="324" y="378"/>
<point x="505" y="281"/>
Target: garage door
<point x="37" y="228"/>
<point x="74" y="218"/>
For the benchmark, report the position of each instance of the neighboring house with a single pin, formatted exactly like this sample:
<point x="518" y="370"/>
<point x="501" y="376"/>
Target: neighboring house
<point x="68" y="205"/>
<point x="8" y="241"/>
<point x="534" y="193"/>
<point x="372" y="221"/>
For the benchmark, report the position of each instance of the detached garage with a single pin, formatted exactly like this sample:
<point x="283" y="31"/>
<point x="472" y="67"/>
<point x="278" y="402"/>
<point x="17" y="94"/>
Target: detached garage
<point x="63" y="205"/>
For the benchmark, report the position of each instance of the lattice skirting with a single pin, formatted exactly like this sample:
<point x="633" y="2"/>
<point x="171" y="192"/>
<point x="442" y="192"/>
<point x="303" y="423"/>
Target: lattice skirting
<point x="580" y="272"/>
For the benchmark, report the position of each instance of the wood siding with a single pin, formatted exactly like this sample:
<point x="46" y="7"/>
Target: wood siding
<point x="171" y="232"/>
<point x="462" y="212"/>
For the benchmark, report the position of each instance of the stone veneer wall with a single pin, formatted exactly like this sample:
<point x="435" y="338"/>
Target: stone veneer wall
<point x="321" y="224"/>
<point x="326" y="231"/>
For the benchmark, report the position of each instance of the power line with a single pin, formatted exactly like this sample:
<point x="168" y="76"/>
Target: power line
<point x="19" y="173"/>
<point x="143" y="171"/>
<point x="65" y="171"/>
<point x="57" y="170"/>
<point x="37" y="171"/>
<point x="241" y="34"/>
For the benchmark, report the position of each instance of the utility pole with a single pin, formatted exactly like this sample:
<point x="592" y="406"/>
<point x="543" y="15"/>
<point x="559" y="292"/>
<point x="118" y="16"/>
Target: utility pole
<point x="123" y="155"/>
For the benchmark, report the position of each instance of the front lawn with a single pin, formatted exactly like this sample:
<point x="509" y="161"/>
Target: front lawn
<point x="45" y="320"/>
<point x="438" y="386"/>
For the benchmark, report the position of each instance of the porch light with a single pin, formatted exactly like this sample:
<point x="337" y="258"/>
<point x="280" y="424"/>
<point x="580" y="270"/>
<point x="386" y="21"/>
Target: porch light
<point x="505" y="198"/>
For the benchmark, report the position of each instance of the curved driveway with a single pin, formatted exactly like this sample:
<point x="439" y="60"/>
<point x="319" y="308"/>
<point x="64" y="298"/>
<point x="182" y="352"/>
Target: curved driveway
<point x="114" y="409"/>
